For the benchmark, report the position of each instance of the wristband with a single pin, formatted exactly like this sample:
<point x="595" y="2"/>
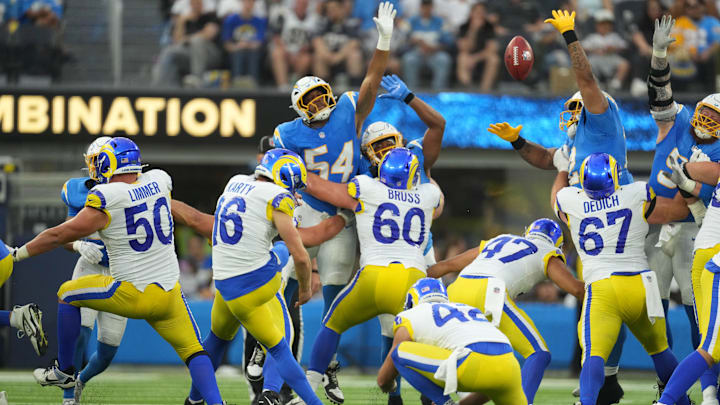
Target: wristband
<point x="409" y="98"/>
<point x="659" y="53"/>
<point x="76" y="245"/>
<point x="684" y="167"/>
<point x="21" y="254"/>
<point x="518" y="143"/>
<point x="570" y="36"/>
<point x="383" y="43"/>
<point x="315" y="271"/>
<point x="685" y="194"/>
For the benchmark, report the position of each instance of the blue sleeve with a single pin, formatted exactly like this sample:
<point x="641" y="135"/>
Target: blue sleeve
<point x="69" y="196"/>
<point x="605" y="124"/>
<point x="418" y="152"/>
<point x="282" y="141"/>
<point x="228" y="27"/>
<point x="706" y="193"/>
<point x="364" y="166"/>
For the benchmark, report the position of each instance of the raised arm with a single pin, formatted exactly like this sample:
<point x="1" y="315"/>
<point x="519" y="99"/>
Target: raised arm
<point x="330" y="192"/>
<point x="558" y="272"/>
<point x="303" y="266"/>
<point x="662" y="106"/>
<point x="593" y="98"/>
<point x="453" y="264"/>
<point x="378" y="63"/>
<point x="536" y="155"/>
<point x="200" y="222"/>
<point x="86" y="222"/>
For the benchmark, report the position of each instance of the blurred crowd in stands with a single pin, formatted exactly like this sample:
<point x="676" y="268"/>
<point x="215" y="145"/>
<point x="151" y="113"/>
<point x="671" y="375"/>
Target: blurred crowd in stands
<point x="437" y="44"/>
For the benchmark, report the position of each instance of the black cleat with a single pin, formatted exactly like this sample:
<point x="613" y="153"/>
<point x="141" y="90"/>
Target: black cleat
<point x="269" y="398"/>
<point x="330" y="383"/>
<point x="425" y="400"/>
<point x="395" y="400"/>
<point x="189" y="402"/>
<point x="611" y="391"/>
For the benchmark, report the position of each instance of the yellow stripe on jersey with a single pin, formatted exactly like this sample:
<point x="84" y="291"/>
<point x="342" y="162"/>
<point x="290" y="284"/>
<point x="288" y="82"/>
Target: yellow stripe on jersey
<point x="401" y="322"/>
<point x="650" y="197"/>
<point x="555" y="253"/>
<point x="360" y="208"/>
<point x="482" y="246"/>
<point x="96" y="200"/>
<point x="283" y="203"/>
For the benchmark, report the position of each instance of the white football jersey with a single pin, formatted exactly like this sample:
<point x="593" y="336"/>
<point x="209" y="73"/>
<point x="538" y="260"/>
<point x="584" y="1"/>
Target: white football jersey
<point x="519" y="261"/>
<point x="393" y="224"/>
<point x="448" y="325"/>
<point x="243" y="231"/>
<point x="139" y="235"/>
<point x="709" y="234"/>
<point x="609" y="234"/>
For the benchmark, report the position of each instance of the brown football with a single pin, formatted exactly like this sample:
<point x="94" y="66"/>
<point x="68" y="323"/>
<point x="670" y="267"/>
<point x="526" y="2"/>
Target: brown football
<point x="519" y="58"/>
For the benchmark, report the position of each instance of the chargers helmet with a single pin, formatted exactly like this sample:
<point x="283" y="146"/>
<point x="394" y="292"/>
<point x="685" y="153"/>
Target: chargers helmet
<point x="425" y="290"/>
<point x="398" y="169"/>
<point x="301" y="106"/>
<point x="599" y="175"/>
<point x="571" y="114"/>
<point x="117" y="156"/>
<point x="376" y="133"/>
<point x="704" y="126"/>
<point x="547" y="229"/>
<point x="92" y="153"/>
<point x="284" y="168"/>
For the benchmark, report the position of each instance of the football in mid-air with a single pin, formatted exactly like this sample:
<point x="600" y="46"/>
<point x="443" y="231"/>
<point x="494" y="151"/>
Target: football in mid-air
<point x="519" y="58"/>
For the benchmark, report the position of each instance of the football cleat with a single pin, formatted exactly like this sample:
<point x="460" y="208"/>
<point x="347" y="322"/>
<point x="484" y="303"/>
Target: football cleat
<point x="30" y="321"/>
<point x="286" y="394"/>
<point x="425" y="400"/>
<point x="611" y="391"/>
<point x="254" y="369"/>
<point x="79" y="387"/>
<point x="395" y="400"/>
<point x="188" y="401"/>
<point x="3" y="398"/>
<point x="269" y="398"/>
<point x="330" y="383"/>
<point x="69" y="401"/>
<point x="53" y="376"/>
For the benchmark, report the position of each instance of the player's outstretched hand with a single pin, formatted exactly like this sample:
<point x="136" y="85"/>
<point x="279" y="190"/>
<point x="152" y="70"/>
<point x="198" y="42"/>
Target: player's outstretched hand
<point x="562" y="20"/>
<point x="698" y="155"/>
<point x="561" y="159"/>
<point x="395" y="87"/>
<point x="303" y="297"/>
<point x="89" y="251"/>
<point x="679" y="177"/>
<point x="661" y="36"/>
<point x="505" y="131"/>
<point x="384" y="24"/>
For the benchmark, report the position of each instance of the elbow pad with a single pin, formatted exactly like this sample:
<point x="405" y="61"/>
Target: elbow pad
<point x="660" y="98"/>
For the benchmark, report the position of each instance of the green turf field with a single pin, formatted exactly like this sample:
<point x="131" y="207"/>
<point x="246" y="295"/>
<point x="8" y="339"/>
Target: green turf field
<point x="170" y="386"/>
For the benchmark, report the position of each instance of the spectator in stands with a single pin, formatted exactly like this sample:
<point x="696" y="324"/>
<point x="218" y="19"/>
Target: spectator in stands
<point x="194" y="49"/>
<point x="336" y="45"/>
<point x="603" y="48"/>
<point x="42" y="13"/>
<point x="290" y="48"/>
<point x="226" y="8"/>
<point x="429" y="42"/>
<point x="196" y="269"/>
<point x="516" y="17"/>
<point x="477" y="47"/>
<point x="641" y="31"/>
<point x="243" y="35"/>
<point x="705" y="39"/>
<point x="369" y="35"/>
<point x="455" y="13"/>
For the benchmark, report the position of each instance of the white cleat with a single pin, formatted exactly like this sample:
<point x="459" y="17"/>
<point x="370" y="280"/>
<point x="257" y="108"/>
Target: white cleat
<point x="28" y="320"/>
<point x="330" y="383"/>
<point x="68" y="401"/>
<point x="53" y="376"/>
<point x="3" y="398"/>
<point x="79" y="387"/>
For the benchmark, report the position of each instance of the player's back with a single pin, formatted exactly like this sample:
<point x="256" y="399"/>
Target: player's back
<point x="448" y="325"/>
<point x="599" y="133"/>
<point x="74" y="194"/>
<point x="609" y="234"/>
<point x="519" y="261"/>
<point x="393" y="224"/>
<point x="243" y="229"/>
<point x="331" y="151"/>
<point x="139" y="233"/>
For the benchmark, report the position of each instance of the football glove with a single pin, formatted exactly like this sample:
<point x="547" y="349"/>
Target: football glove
<point x="395" y="87"/>
<point x="505" y="131"/>
<point x="561" y="159"/>
<point x="89" y="251"/>
<point x="384" y="24"/>
<point x="679" y="177"/>
<point x="698" y="155"/>
<point x="661" y="37"/>
<point x="562" y="20"/>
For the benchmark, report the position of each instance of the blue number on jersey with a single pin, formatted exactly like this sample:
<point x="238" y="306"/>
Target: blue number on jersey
<point x="223" y="216"/>
<point x="496" y="245"/>
<point x="132" y="225"/>
<point x="624" y="216"/>
<point x="379" y="223"/>
<point x="454" y="313"/>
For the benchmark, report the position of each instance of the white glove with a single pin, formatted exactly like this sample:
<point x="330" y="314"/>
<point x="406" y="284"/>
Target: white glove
<point x="18" y="254"/>
<point x="384" y="24"/>
<point x="347" y="215"/>
<point x="661" y="36"/>
<point x="698" y="155"/>
<point x="678" y="176"/>
<point x="561" y="159"/>
<point x="89" y="251"/>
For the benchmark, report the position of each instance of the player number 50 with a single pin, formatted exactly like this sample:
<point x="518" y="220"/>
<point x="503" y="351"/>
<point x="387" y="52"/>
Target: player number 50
<point x="132" y="225"/>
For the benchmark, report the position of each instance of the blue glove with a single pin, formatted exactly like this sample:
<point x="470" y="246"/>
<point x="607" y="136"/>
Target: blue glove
<point x="395" y="87"/>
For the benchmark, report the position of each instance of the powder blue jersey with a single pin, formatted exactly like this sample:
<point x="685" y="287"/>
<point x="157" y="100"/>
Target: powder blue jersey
<point x="678" y="143"/>
<point x="331" y="151"/>
<point x="74" y="194"/>
<point x="598" y="133"/>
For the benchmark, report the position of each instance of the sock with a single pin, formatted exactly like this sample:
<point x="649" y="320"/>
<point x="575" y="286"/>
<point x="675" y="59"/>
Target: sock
<point x="5" y="318"/>
<point x="684" y="376"/>
<point x="710" y="377"/>
<point x="614" y="357"/>
<point x="272" y="381"/>
<point x="384" y="351"/>
<point x="668" y="332"/>
<point x="81" y="346"/>
<point x="420" y="382"/>
<point x="215" y="348"/>
<point x="329" y="294"/>
<point x="611" y="371"/>
<point x="665" y="363"/>
<point x="694" y="331"/>
<point x="99" y="361"/>
<point x="324" y="348"/>
<point x="68" y="330"/>
<point x="290" y="288"/>
<point x="532" y="373"/>
<point x="292" y="373"/>
<point x="591" y="379"/>
<point x="203" y="377"/>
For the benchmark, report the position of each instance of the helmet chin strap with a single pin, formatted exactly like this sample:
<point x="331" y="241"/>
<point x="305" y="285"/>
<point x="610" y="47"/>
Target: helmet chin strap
<point x="572" y="129"/>
<point x="702" y="135"/>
